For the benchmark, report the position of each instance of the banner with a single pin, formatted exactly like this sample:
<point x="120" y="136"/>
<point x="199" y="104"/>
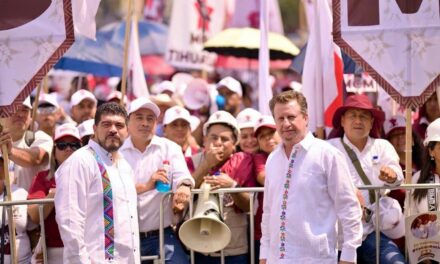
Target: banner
<point x="423" y="237"/>
<point x="246" y="13"/>
<point x="192" y="23"/>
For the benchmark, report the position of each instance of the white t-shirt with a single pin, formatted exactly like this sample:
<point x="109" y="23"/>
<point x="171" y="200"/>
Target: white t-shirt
<point x="23" y="176"/>
<point x="23" y="245"/>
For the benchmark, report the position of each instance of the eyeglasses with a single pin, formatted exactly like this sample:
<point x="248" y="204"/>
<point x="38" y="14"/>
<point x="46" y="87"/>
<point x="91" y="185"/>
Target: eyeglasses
<point x="47" y="110"/>
<point x="63" y="145"/>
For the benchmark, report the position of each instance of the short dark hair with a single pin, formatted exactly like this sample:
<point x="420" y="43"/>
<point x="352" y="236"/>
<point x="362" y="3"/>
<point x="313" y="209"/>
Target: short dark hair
<point x="286" y="97"/>
<point x="110" y="108"/>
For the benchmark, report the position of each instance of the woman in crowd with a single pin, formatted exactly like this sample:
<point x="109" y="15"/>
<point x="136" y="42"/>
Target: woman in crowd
<point x="268" y="139"/>
<point x="247" y="119"/>
<point x="418" y="201"/>
<point x="429" y="112"/>
<point x="67" y="140"/>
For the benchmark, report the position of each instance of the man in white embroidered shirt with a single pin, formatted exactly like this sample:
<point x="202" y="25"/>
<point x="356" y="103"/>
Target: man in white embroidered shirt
<point x="146" y="154"/>
<point x="95" y="201"/>
<point x="307" y="188"/>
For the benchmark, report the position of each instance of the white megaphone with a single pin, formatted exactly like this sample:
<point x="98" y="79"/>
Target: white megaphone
<point x="196" y="94"/>
<point x="205" y="232"/>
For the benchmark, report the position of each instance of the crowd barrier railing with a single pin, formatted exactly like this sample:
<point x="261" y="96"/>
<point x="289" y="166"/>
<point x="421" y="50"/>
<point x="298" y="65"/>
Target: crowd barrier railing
<point x="221" y="192"/>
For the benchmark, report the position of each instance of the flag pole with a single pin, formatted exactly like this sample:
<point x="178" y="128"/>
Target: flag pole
<point x="8" y="197"/>
<point x="126" y="44"/>
<point x="35" y="104"/>
<point x="408" y="147"/>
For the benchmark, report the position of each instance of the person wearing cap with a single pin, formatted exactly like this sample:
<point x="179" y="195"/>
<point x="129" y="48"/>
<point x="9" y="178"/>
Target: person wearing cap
<point x="247" y="120"/>
<point x="426" y="200"/>
<point x="95" y="198"/>
<point x="232" y="91"/>
<point x="307" y="189"/>
<point x="83" y="106"/>
<point x="86" y="131"/>
<point x="177" y="128"/>
<point x="235" y="170"/>
<point x="267" y="140"/>
<point x="67" y="141"/>
<point x="48" y="113"/>
<point x="164" y="102"/>
<point x="29" y="152"/>
<point x="166" y="87"/>
<point x="116" y="96"/>
<point x="146" y="154"/>
<point x="358" y="124"/>
<point x="428" y="112"/>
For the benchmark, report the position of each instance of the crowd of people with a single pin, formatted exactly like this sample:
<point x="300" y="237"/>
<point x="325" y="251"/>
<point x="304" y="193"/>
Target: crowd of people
<point x="102" y="162"/>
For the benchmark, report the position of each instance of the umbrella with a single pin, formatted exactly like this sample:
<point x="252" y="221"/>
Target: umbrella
<point x="245" y="42"/>
<point x="349" y="65"/>
<point x="104" y="57"/>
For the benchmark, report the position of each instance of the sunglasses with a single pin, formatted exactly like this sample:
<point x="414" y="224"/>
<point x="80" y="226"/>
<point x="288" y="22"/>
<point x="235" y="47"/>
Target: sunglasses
<point x="63" y="145"/>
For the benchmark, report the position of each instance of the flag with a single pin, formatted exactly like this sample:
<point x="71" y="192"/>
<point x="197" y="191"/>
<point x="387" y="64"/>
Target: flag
<point x="84" y="12"/>
<point x="264" y="87"/>
<point x="248" y="15"/>
<point x="323" y="67"/>
<point x="135" y="69"/>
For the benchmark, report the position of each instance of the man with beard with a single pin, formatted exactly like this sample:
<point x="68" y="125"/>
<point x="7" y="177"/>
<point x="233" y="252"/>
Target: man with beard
<point x="95" y="201"/>
<point x="83" y="105"/>
<point x="146" y="154"/>
<point x="27" y="158"/>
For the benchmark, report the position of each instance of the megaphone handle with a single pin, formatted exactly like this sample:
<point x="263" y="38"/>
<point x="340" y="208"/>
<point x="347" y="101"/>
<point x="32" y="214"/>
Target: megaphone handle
<point x="220" y="204"/>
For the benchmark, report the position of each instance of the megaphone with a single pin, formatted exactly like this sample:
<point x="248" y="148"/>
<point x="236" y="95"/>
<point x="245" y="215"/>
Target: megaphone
<point x="205" y="232"/>
<point x="196" y="95"/>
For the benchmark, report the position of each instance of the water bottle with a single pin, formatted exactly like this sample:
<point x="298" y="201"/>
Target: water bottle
<point x="161" y="186"/>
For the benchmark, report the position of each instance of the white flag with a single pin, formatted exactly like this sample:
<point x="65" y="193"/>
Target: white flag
<point x="84" y="12"/>
<point x="135" y="68"/>
<point x="264" y="87"/>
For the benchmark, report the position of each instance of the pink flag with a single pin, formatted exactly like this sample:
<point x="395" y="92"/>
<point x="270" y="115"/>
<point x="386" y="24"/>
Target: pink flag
<point x="136" y="71"/>
<point x="323" y="67"/>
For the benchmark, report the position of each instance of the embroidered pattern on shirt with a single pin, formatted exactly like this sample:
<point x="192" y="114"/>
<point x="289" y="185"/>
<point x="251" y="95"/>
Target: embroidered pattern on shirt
<point x="283" y="219"/>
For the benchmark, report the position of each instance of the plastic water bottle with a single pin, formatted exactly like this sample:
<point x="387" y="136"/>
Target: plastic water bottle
<point x="161" y="186"/>
<point x="220" y="101"/>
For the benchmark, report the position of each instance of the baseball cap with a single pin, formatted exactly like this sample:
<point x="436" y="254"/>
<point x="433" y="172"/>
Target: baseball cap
<point x="264" y="121"/>
<point x="67" y="129"/>
<point x="81" y="95"/>
<point x="433" y="132"/>
<point x="166" y="86"/>
<point x="248" y="118"/>
<point x="232" y="84"/>
<point x="116" y="95"/>
<point x="48" y="99"/>
<point x="394" y="123"/>
<point x="143" y="102"/>
<point x="27" y="102"/>
<point x="86" y="128"/>
<point x="222" y="117"/>
<point x="194" y="123"/>
<point x="174" y="113"/>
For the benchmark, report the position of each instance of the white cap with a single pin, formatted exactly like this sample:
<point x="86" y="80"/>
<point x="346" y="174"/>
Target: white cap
<point x="393" y="123"/>
<point x="392" y="222"/>
<point x="248" y="118"/>
<point x="296" y="86"/>
<point x="67" y="129"/>
<point x="165" y="86"/>
<point x="265" y="121"/>
<point x="143" y="102"/>
<point x="433" y="132"/>
<point x="174" y="113"/>
<point x="80" y="95"/>
<point x="196" y="95"/>
<point x="222" y="117"/>
<point x="27" y="102"/>
<point x="48" y="99"/>
<point x="232" y="84"/>
<point x="86" y="128"/>
<point x="116" y="95"/>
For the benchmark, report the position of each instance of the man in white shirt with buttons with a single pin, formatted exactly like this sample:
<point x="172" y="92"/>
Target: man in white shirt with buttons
<point x="95" y="201"/>
<point x="146" y="154"/>
<point x="307" y="188"/>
